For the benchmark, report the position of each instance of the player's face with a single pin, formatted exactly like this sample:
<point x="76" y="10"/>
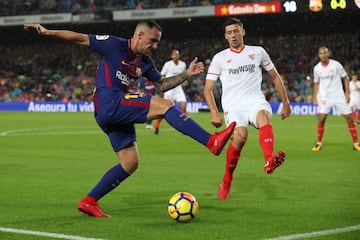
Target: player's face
<point x="323" y="55"/>
<point x="354" y="78"/>
<point x="149" y="40"/>
<point x="234" y="35"/>
<point x="175" y="55"/>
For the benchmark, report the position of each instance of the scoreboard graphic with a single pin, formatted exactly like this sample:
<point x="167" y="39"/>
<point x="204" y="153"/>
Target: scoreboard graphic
<point x="301" y="6"/>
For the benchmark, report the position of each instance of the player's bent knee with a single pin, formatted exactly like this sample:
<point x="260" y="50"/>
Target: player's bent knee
<point x="238" y="140"/>
<point x="130" y="167"/>
<point x="168" y="103"/>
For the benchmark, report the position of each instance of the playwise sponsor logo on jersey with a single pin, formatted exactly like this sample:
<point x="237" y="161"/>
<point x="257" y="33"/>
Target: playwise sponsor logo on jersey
<point x="245" y="68"/>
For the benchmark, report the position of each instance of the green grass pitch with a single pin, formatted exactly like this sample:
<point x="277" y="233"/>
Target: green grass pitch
<point x="49" y="161"/>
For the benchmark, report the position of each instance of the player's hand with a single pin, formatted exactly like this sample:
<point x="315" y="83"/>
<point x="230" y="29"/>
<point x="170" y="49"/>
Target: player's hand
<point x="195" y="67"/>
<point x="315" y="102"/>
<point x="285" y="111"/>
<point x="40" y="29"/>
<point x="216" y="120"/>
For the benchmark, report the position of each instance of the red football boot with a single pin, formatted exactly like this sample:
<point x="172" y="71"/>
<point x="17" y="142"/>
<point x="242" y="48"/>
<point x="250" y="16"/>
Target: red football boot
<point x="274" y="162"/>
<point x="91" y="209"/>
<point x="224" y="190"/>
<point x="218" y="140"/>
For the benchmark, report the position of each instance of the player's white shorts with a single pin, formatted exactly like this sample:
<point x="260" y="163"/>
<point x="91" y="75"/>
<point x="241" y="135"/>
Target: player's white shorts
<point x="355" y="103"/>
<point x="176" y="94"/>
<point x="341" y="107"/>
<point x="246" y="114"/>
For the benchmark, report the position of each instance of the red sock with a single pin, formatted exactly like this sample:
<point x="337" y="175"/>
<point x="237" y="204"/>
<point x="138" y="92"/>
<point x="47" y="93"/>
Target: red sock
<point x="266" y="139"/>
<point x="232" y="158"/>
<point x="353" y="132"/>
<point x="157" y="124"/>
<point x="320" y="132"/>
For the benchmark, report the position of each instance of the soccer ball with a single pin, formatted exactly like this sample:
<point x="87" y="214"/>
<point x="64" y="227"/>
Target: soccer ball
<point x="183" y="207"/>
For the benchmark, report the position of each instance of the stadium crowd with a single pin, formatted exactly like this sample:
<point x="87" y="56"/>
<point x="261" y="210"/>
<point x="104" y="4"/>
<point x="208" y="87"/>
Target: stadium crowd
<point x="24" y="7"/>
<point x="43" y="71"/>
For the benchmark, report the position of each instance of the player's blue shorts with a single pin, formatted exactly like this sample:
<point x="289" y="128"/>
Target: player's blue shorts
<point x="116" y="114"/>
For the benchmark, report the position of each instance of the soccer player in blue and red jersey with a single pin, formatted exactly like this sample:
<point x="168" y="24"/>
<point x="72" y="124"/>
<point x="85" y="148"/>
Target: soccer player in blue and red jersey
<point x="122" y="62"/>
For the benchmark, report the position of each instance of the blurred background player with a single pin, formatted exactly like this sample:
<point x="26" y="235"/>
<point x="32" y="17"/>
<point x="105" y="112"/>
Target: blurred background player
<point x="171" y="68"/>
<point x="239" y="69"/>
<point x="354" y="86"/>
<point x="329" y="92"/>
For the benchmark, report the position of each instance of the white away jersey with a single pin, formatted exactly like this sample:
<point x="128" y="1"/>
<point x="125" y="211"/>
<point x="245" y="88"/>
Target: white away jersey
<point x="354" y="94"/>
<point x="171" y="69"/>
<point x="240" y="74"/>
<point x="329" y="79"/>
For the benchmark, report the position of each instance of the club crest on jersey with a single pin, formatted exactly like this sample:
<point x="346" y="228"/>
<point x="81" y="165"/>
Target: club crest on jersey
<point x="101" y="37"/>
<point x="138" y="72"/>
<point x="251" y="56"/>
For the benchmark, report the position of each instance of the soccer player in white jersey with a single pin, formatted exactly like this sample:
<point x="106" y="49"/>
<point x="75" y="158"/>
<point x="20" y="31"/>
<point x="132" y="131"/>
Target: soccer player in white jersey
<point x="329" y="93"/>
<point x="171" y="68"/>
<point x="239" y="69"/>
<point x="355" y="97"/>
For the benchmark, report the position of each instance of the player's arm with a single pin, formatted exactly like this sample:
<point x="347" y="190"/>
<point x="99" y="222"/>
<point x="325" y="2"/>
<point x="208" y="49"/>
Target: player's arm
<point x="165" y="84"/>
<point x="78" y="38"/>
<point x="280" y="88"/>
<point x="315" y="93"/>
<point x="346" y="82"/>
<point x="216" y="119"/>
<point x="316" y="81"/>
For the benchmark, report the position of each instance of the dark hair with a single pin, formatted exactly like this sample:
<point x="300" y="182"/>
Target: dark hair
<point x="231" y="21"/>
<point x="151" y="24"/>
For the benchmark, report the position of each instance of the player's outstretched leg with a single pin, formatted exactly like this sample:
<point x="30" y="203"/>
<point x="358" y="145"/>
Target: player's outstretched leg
<point x="274" y="161"/>
<point x="184" y="124"/>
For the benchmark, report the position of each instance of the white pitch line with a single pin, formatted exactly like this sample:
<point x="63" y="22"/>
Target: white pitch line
<point x="44" y="132"/>
<point x="33" y="130"/>
<point x="50" y="133"/>
<point x="317" y="234"/>
<point x="46" y="234"/>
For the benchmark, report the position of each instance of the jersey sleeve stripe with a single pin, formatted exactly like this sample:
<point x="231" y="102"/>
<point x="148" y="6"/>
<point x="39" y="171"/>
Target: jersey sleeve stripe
<point x="107" y="74"/>
<point x="214" y="74"/>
